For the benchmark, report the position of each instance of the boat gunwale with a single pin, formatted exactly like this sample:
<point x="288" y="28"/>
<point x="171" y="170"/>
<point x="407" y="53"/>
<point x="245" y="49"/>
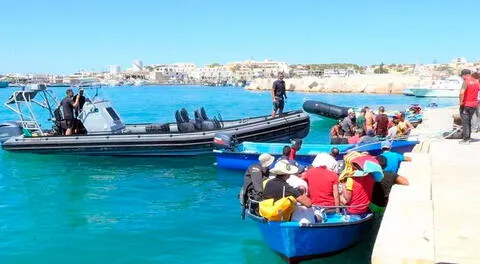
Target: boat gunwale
<point x="290" y="115"/>
<point x="291" y="224"/>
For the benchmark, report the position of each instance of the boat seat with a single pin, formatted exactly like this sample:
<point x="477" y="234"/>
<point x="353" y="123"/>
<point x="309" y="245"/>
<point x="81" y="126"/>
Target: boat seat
<point x="157" y="128"/>
<point x="184" y="124"/>
<point x="184" y="114"/>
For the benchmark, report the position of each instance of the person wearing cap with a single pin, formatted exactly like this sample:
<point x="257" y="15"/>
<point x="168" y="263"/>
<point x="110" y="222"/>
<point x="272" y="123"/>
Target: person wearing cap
<point x="279" y="95"/>
<point x="348" y="123"/>
<point x="322" y="181"/>
<point x="296" y="146"/>
<point x="468" y="103"/>
<point x="381" y="123"/>
<point x="381" y="190"/>
<point x="68" y="104"/>
<point x="393" y="158"/>
<point x="370" y="137"/>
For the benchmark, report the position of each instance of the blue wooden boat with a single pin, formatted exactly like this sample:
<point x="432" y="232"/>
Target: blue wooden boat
<point x="295" y="241"/>
<point x="242" y="155"/>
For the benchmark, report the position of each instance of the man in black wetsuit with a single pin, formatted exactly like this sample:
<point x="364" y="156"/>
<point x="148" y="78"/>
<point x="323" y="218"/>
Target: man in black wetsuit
<point x="279" y="95"/>
<point x="67" y="106"/>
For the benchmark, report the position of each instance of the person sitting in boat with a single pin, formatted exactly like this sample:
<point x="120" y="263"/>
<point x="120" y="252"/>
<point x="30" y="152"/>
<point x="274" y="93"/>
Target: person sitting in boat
<point x="279" y="95"/>
<point x="278" y="189"/>
<point x="336" y="134"/>
<point x="392" y="131"/>
<point x="322" y="181"/>
<point x="253" y="180"/>
<point x="381" y="123"/>
<point x="67" y="108"/>
<point x="339" y="163"/>
<point x="357" y="181"/>
<point x="287" y="154"/>
<point x="369" y="119"/>
<point x="296" y="146"/>
<point x="393" y="158"/>
<point x="370" y="137"/>
<point x="360" y="121"/>
<point x="348" y="123"/>
<point x="404" y="126"/>
<point x="381" y="190"/>
<point x="355" y="139"/>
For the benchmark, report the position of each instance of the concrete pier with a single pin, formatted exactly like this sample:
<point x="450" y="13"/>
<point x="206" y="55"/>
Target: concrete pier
<point x="436" y="218"/>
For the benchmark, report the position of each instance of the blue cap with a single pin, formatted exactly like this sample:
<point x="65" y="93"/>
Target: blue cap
<point x="386" y="144"/>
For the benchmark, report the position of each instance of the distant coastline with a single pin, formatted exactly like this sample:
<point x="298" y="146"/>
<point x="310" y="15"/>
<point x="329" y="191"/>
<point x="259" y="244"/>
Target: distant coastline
<point x="375" y="83"/>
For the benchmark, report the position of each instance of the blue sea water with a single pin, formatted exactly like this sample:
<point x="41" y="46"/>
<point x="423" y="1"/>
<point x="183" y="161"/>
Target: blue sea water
<point x="80" y="209"/>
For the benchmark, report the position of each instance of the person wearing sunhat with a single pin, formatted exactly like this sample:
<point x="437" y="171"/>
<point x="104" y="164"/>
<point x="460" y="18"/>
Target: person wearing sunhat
<point x="393" y="158"/>
<point x="278" y="187"/>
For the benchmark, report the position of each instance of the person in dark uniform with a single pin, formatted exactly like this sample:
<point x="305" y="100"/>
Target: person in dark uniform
<point x="253" y="180"/>
<point x="81" y="102"/>
<point x="67" y="107"/>
<point x="279" y="95"/>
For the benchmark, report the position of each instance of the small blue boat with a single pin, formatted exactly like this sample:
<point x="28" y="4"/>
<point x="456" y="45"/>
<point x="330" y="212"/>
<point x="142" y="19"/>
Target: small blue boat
<point x="295" y="241"/>
<point x="242" y="155"/>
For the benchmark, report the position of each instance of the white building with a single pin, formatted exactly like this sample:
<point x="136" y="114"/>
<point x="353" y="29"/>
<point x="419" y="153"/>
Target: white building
<point x="114" y="69"/>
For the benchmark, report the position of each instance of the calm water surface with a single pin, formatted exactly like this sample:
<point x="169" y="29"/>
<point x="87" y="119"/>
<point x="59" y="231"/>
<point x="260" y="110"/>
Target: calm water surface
<point x="78" y="209"/>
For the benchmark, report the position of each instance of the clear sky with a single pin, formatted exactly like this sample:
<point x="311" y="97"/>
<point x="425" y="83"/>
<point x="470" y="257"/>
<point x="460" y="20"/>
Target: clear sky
<point x="62" y="36"/>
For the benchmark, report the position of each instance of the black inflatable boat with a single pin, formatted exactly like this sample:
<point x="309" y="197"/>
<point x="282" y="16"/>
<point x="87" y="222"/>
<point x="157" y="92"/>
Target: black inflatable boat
<point x="324" y="109"/>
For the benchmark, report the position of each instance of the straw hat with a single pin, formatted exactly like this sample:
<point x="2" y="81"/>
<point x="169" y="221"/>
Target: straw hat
<point x="283" y="167"/>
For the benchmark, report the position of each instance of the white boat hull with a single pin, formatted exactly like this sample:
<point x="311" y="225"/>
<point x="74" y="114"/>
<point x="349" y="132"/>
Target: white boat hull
<point x="427" y="92"/>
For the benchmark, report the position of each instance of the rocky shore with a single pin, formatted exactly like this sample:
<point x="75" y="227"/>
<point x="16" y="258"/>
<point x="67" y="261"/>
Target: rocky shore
<point x="378" y="83"/>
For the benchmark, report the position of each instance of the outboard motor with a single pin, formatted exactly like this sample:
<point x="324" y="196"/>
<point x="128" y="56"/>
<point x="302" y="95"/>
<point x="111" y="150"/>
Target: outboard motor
<point x="224" y="141"/>
<point x="9" y="129"/>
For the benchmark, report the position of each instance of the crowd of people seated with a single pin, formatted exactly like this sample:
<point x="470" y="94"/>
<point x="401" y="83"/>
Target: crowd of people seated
<point x="369" y="127"/>
<point x="353" y="185"/>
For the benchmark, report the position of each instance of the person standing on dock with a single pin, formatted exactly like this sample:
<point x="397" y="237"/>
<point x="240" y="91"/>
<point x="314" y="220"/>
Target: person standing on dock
<point x="279" y="95"/>
<point x="67" y="108"/>
<point x="468" y="103"/>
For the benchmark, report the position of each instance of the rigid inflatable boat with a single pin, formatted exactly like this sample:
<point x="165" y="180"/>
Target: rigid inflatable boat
<point x="104" y="133"/>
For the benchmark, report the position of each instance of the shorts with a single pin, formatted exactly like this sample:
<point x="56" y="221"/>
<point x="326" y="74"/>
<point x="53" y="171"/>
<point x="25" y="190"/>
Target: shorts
<point x="278" y="104"/>
<point x="69" y="123"/>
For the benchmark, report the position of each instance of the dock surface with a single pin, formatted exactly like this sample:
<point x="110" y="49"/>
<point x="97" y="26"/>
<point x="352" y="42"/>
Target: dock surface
<point x="436" y="218"/>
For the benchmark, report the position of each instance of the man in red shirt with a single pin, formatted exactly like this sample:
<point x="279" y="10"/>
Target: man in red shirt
<point x="381" y="123"/>
<point x="322" y="182"/>
<point x="468" y="103"/>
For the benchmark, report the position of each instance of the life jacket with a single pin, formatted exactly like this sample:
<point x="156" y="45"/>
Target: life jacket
<point x="470" y="98"/>
<point x="281" y="210"/>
